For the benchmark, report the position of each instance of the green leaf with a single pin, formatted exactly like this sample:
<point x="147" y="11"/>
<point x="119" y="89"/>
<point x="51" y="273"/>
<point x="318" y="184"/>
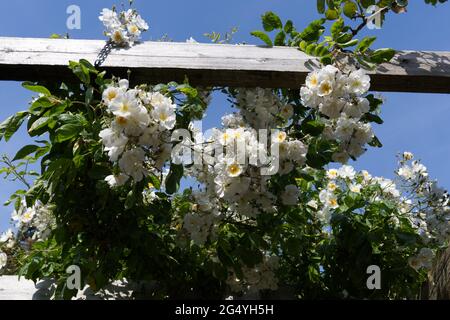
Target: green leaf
<point x="350" y="9"/>
<point x="25" y="151"/>
<point x="365" y="44"/>
<point x="320" y="153"/>
<point x="271" y="21"/>
<point x="68" y="131"/>
<point x="336" y="28"/>
<point x="88" y="66"/>
<point x="89" y="95"/>
<point x="130" y="200"/>
<point x="344" y="38"/>
<point x="374" y="102"/>
<point x="311" y="49"/>
<point x="332" y="14"/>
<point x="313" y="31"/>
<point x="313" y="127"/>
<point x="173" y="178"/>
<point x="326" y="60"/>
<point x="289" y="27"/>
<point x="280" y="38"/>
<point x="36" y="88"/>
<point x="321" y="6"/>
<point x="188" y="90"/>
<point x="351" y="43"/>
<point x="82" y="70"/>
<point x="372" y="118"/>
<point x="12" y="124"/>
<point x="263" y="36"/>
<point x="367" y="3"/>
<point x="154" y="180"/>
<point x="41" y="104"/>
<point x="38" y="125"/>
<point x="382" y="55"/>
<point x="321" y="51"/>
<point x="375" y="143"/>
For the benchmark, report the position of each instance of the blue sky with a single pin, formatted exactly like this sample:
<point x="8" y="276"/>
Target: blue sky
<point x="413" y="122"/>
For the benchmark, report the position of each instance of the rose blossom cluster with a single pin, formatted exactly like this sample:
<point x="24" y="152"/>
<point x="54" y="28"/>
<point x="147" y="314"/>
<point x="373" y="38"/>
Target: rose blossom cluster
<point x="420" y="202"/>
<point x="33" y="224"/>
<point x="430" y="205"/>
<point x="38" y="219"/>
<point x="339" y="98"/>
<point x="238" y="162"/>
<point x="263" y="108"/>
<point x="201" y="223"/>
<point x="124" y="28"/>
<point x="260" y="277"/>
<point x="240" y="181"/>
<point x="138" y="136"/>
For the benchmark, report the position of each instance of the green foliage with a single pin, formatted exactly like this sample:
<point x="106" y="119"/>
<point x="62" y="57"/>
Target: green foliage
<point x="217" y="37"/>
<point x="342" y="40"/>
<point x="136" y="231"/>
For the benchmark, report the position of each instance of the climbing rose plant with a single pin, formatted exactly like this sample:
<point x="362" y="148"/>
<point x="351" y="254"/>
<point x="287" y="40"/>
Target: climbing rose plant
<point x="265" y="210"/>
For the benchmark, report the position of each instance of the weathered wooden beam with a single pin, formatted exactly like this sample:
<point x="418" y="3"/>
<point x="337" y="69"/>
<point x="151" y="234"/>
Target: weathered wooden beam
<point x="210" y="64"/>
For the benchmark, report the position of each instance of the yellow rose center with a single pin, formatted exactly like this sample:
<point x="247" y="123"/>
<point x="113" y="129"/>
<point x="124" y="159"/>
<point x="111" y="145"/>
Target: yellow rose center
<point x="163" y="116"/>
<point x="121" y="121"/>
<point x="233" y="169"/>
<point x="117" y="36"/>
<point x="124" y="107"/>
<point x="112" y="95"/>
<point x="134" y="29"/>
<point x="325" y="88"/>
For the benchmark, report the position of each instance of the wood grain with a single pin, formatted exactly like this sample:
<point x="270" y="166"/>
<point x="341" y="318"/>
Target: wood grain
<point x="210" y="64"/>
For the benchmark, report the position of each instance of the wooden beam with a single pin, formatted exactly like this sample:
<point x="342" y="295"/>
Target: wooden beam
<point x="210" y="64"/>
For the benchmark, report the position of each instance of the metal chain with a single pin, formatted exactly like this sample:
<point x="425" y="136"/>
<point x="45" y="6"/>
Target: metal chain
<point x="104" y="53"/>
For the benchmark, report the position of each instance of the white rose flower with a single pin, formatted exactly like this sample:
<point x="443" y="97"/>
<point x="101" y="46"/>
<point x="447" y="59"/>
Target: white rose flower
<point x="116" y="180"/>
<point x="165" y="115"/>
<point x="332" y="174"/>
<point x="28" y="215"/>
<point x="329" y="199"/>
<point x="325" y="88"/>
<point x="287" y="111"/>
<point x="110" y="94"/>
<point x="119" y="36"/>
<point x="309" y="98"/>
<point x="110" y="19"/>
<point x="125" y="105"/>
<point x="345" y="128"/>
<point x="297" y="151"/>
<point x="356" y="188"/>
<point x="6" y="236"/>
<point x="406" y="173"/>
<point x="407" y="156"/>
<point x="312" y="80"/>
<point x="3" y="260"/>
<point x="332" y="107"/>
<point x="358" y="82"/>
<point x="347" y="171"/>
<point x="132" y="164"/>
<point x="234" y="170"/>
<point x="114" y="143"/>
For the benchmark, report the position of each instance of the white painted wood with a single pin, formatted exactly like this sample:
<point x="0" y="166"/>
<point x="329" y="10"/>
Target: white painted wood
<point x="11" y="288"/>
<point x="210" y="64"/>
